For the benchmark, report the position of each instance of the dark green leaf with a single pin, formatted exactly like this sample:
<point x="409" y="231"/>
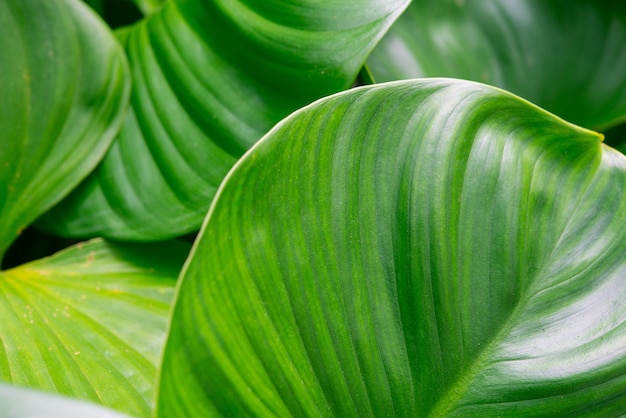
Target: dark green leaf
<point x="63" y="90"/>
<point x="616" y="137"/>
<point x="423" y="248"/>
<point x="210" y="78"/>
<point x="566" y="56"/>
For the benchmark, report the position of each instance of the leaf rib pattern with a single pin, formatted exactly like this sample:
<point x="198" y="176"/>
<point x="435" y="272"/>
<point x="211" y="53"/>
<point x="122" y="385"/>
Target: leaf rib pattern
<point x="322" y="336"/>
<point x="156" y="103"/>
<point x="210" y="78"/>
<point x="420" y="248"/>
<point x="540" y="50"/>
<point x="49" y="343"/>
<point x="195" y="79"/>
<point x="90" y="322"/>
<point x="61" y="51"/>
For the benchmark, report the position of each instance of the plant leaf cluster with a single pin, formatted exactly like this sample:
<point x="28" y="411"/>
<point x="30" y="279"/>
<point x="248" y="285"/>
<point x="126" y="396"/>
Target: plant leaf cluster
<point x="397" y="208"/>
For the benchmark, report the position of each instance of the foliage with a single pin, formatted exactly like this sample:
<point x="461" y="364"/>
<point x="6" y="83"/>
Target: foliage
<point x="422" y="246"/>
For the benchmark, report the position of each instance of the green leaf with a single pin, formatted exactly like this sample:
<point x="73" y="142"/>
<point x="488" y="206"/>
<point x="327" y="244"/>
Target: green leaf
<point x="90" y="321"/>
<point x="210" y="78"/>
<point x="566" y="56"/>
<point x="24" y="403"/>
<point x="149" y="6"/>
<point x="64" y="88"/>
<point x="420" y="248"/>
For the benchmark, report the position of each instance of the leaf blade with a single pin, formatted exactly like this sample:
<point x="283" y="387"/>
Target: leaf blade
<point x="90" y="321"/>
<point x="404" y="241"/>
<point x="209" y="80"/>
<point x="64" y="54"/>
<point x="559" y="55"/>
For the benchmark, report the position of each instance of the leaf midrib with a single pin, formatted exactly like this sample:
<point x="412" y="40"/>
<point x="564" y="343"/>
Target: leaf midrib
<point x="450" y="399"/>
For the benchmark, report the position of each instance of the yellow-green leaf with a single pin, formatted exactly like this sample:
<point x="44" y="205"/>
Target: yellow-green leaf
<point x="90" y="321"/>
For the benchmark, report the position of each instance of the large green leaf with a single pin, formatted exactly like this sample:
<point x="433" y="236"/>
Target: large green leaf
<point x="90" y="321"/>
<point x="210" y="78"/>
<point x="422" y="248"/>
<point x="63" y="92"/>
<point x="24" y="403"/>
<point x="566" y="56"/>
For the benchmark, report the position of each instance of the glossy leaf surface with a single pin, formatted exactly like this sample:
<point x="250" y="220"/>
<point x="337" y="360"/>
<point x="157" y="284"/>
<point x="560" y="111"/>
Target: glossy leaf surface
<point x="90" y="322"/>
<point x="63" y="92"/>
<point x="25" y="403"/>
<point x="566" y="56"/>
<point x="210" y="78"/>
<point x="422" y="248"/>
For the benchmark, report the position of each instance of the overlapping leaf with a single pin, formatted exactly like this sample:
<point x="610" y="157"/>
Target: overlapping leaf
<point x="63" y="92"/>
<point x="210" y="78"/>
<point x="423" y="248"/>
<point x="90" y="322"/>
<point x="566" y="56"/>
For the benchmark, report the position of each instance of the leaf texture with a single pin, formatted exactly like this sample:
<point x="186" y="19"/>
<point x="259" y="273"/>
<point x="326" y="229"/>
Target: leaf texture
<point x="566" y="56"/>
<point x="64" y="89"/>
<point x="210" y="78"/>
<point x="90" y="321"/>
<point x="421" y="248"/>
